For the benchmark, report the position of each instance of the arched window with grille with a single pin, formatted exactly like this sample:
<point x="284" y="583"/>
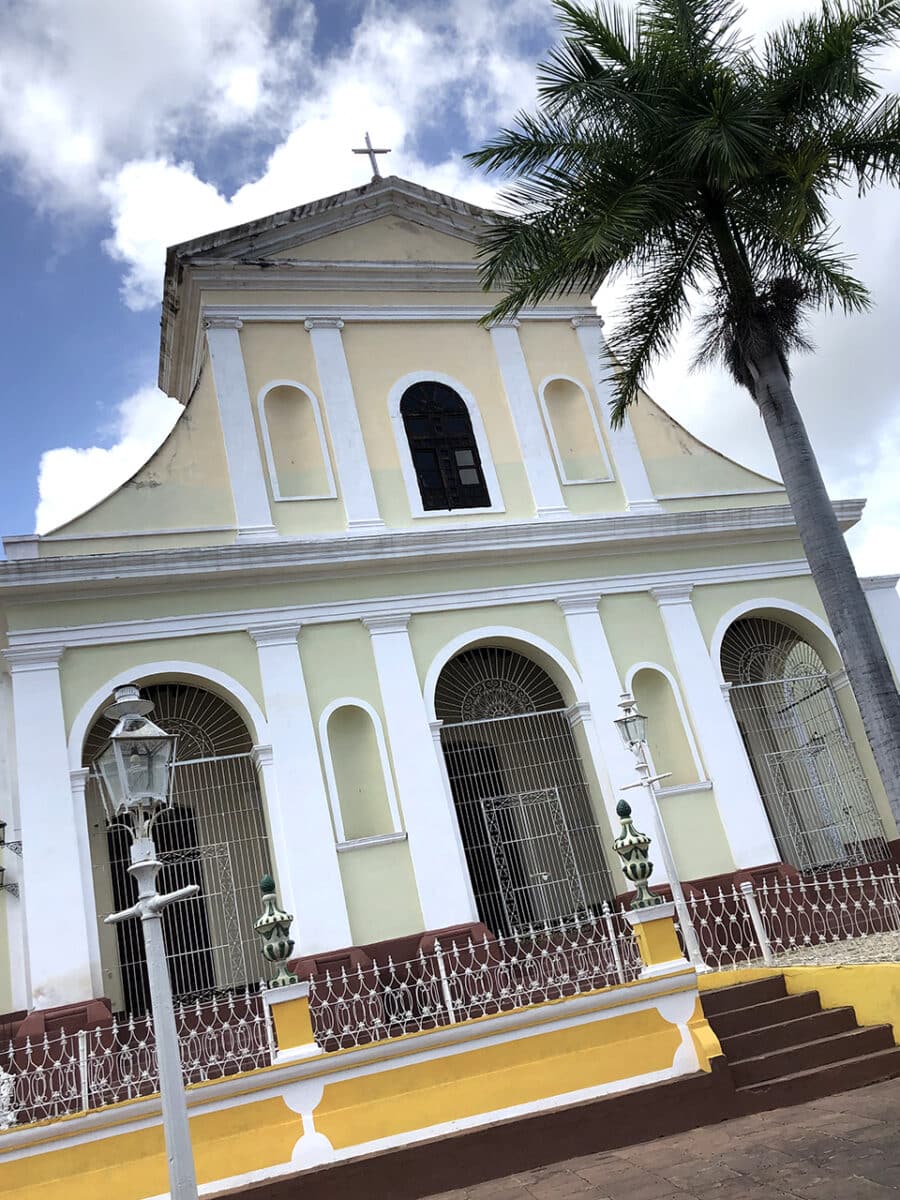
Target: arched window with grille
<point x="443" y="447"/>
<point x="214" y="834"/>
<point x="804" y="760"/>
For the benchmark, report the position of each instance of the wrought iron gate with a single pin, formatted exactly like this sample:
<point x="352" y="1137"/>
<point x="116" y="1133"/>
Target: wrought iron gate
<point x="213" y="835"/>
<point x="531" y="839"/>
<point x="805" y="762"/>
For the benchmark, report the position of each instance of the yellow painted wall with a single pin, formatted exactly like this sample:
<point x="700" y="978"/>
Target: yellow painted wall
<point x="677" y="462"/>
<point x="85" y="669"/>
<point x="380" y="889"/>
<point x="666" y="735"/>
<point x="359" y="775"/>
<point x="378" y="355"/>
<point x="184" y="484"/>
<point x="386" y="239"/>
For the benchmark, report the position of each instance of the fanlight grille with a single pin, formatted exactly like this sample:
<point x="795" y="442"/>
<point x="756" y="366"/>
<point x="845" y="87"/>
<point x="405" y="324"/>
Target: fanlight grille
<point x="759" y="650"/>
<point x="206" y="725"/>
<point x="491" y="682"/>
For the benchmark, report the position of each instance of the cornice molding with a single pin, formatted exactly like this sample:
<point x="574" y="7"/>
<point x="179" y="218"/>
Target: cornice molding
<point x="391" y="608"/>
<point x="222" y="322"/>
<point x="34" y="657"/>
<point x="579" y="605"/>
<point x="391" y="622"/>
<point x="280" y="633"/>
<point x="672" y="593"/>
<point x="312" y="323"/>
<point x="591" y="318"/>
<point x="875" y="583"/>
<point x="311" y="315"/>
<point x="262" y="756"/>
<point x="450" y="544"/>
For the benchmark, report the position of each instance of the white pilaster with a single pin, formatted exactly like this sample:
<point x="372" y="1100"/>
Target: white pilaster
<point x="357" y="489"/>
<point x="737" y="796"/>
<point x="306" y="859"/>
<point x="434" y="842"/>
<point x="602" y="687"/>
<point x="53" y="891"/>
<point x="627" y="461"/>
<point x="536" y="455"/>
<point x="245" y="468"/>
<point x="881" y="593"/>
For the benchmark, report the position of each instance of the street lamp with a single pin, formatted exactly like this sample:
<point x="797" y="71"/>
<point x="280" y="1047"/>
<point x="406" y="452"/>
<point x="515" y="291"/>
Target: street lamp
<point x="632" y="726"/>
<point x="134" y="768"/>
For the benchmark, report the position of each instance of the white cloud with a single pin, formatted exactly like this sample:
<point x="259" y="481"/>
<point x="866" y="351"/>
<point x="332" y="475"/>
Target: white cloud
<point x="72" y="480"/>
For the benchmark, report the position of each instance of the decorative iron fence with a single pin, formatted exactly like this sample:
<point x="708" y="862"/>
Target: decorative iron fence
<point x="462" y="981"/>
<point x="798" y="917"/>
<point x="71" y="1073"/>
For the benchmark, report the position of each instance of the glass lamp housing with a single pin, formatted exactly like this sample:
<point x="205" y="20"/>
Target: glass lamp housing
<point x="632" y="725"/>
<point x="135" y="768"/>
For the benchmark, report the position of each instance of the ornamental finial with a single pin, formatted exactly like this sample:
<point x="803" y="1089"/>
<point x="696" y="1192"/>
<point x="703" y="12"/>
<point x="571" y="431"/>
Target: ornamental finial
<point x="274" y="927"/>
<point x="632" y="846"/>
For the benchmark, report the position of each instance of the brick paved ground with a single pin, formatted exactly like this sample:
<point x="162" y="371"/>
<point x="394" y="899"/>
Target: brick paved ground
<point x="845" y="1147"/>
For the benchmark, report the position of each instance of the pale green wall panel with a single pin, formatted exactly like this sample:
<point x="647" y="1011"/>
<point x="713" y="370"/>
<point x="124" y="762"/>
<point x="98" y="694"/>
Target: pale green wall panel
<point x="380" y="888"/>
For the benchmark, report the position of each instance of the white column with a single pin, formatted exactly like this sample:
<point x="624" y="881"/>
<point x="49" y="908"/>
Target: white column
<point x="78" y="782"/>
<point x="602" y="688"/>
<point x="306" y="859"/>
<point x="721" y="745"/>
<point x="536" y="456"/>
<point x="884" y="601"/>
<point x="434" y="842"/>
<point x="245" y="468"/>
<point x="354" y="473"/>
<point x="628" y="463"/>
<point x="53" y="888"/>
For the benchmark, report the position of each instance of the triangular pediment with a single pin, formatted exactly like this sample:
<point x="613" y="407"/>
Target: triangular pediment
<point x="432" y="223"/>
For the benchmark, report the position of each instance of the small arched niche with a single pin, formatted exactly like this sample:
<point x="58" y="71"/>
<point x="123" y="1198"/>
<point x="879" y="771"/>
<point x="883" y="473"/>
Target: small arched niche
<point x="294" y="439"/>
<point x="361" y="788"/>
<point x="668" y="740"/>
<point x="574" y="432"/>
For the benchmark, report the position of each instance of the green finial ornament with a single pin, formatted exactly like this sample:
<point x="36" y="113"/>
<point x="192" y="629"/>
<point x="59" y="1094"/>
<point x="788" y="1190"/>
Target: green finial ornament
<point x="637" y="868"/>
<point x="274" y="927"/>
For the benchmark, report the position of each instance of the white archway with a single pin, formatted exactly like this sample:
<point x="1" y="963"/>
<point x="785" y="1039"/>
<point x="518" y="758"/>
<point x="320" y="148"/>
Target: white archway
<point x="771" y="604"/>
<point x="170" y="670"/>
<point x="522" y="640"/>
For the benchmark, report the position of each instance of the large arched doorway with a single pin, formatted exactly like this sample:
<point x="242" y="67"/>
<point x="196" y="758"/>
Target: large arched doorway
<point x="804" y="760"/>
<point x="531" y="839"/>
<point x="213" y="835"/>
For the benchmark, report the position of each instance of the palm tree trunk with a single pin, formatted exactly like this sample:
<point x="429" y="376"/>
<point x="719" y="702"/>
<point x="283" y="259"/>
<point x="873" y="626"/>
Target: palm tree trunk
<point x="833" y="572"/>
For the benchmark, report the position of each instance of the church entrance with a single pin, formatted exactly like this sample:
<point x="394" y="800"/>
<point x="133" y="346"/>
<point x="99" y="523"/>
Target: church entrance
<point x="803" y="758"/>
<point x="532" y="843"/>
<point x="214" y="835"/>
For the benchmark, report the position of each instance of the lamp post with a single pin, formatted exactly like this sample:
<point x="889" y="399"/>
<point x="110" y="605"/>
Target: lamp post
<point x="134" y="768"/>
<point x="632" y="726"/>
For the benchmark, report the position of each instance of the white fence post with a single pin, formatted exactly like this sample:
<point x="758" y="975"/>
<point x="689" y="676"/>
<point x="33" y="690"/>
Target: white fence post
<point x="445" y="986"/>
<point x="83" y="1070"/>
<point x="757" y="922"/>
<point x="613" y="942"/>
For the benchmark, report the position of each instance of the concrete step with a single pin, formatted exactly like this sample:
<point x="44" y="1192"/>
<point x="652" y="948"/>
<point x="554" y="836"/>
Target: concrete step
<point x="789" y="1033"/>
<point x="760" y="1016"/>
<point x="742" y="995"/>
<point x="812" y="1084"/>
<point x="840" y="1047"/>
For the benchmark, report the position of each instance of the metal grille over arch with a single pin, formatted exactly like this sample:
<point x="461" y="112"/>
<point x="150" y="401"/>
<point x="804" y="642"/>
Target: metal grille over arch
<point x="803" y="758"/>
<point x="214" y="835"/>
<point x="532" y="842"/>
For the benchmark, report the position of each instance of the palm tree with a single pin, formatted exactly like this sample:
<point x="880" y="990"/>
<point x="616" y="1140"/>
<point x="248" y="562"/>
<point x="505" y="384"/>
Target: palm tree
<point x="668" y="147"/>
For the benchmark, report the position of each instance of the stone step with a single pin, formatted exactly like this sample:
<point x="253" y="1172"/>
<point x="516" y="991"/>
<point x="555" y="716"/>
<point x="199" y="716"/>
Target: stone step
<point x="759" y="1016"/>
<point x="829" y="1080"/>
<point x="742" y="995"/>
<point x="789" y="1033"/>
<point x="840" y="1047"/>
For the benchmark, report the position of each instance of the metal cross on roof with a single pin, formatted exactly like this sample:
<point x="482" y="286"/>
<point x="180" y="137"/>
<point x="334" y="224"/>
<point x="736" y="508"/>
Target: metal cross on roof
<point x="371" y="151"/>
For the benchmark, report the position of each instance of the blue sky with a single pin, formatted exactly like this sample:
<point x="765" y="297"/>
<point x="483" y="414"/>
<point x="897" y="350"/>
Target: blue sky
<point x="124" y="128"/>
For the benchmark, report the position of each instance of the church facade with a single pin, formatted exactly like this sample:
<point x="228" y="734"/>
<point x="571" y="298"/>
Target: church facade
<point x="387" y="580"/>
